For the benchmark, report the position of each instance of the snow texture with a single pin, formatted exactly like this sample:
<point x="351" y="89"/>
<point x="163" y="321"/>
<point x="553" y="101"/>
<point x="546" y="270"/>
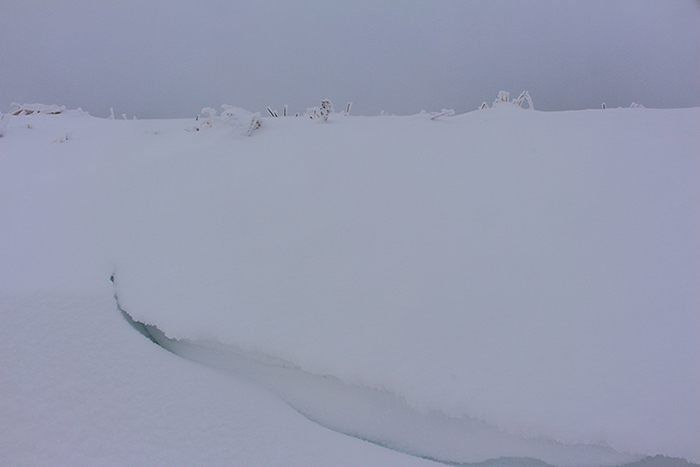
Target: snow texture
<point x="498" y="283"/>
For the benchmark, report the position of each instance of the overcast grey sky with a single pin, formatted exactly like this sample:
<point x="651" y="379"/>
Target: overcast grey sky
<point x="170" y="58"/>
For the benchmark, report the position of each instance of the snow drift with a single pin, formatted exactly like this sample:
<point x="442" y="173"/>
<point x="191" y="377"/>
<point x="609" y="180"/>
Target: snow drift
<point x="535" y="273"/>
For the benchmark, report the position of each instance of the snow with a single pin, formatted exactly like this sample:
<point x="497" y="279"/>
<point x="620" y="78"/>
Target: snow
<point x="81" y="388"/>
<point x="502" y="283"/>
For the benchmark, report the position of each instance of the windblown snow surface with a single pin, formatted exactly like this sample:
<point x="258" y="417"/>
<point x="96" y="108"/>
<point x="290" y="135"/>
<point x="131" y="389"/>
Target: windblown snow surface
<point x="505" y="286"/>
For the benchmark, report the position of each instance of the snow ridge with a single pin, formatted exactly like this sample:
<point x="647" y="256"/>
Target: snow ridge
<point x="378" y="416"/>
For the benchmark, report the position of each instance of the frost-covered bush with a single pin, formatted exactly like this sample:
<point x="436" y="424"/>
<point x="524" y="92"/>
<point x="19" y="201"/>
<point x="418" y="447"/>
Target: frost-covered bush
<point x="634" y="105"/>
<point x="504" y="99"/>
<point x="524" y="96"/>
<point x="209" y="114"/>
<point x="236" y="117"/>
<point x="240" y="118"/>
<point x="436" y="115"/>
<point x="442" y="113"/>
<point x="326" y="108"/>
<point x="322" y="112"/>
<point x="29" y="109"/>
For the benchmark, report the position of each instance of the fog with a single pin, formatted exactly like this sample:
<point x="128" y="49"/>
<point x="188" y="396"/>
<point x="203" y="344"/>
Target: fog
<point x="170" y="58"/>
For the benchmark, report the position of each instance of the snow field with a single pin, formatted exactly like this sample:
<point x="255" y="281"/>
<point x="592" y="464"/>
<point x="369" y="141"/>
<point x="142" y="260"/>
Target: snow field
<point x="81" y="388"/>
<point x="536" y="272"/>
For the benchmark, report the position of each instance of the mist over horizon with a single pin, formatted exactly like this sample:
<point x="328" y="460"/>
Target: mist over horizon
<point x="172" y="58"/>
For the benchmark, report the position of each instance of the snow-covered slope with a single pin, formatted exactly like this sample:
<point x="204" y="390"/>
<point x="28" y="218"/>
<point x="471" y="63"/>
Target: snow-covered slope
<point x="78" y="387"/>
<point x="499" y="283"/>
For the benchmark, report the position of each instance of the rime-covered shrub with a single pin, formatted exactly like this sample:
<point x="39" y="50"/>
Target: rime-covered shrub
<point x="29" y="109"/>
<point x="436" y="115"/>
<point x="442" y="113"/>
<point x="524" y="96"/>
<point x="326" y="108"/>
<point x="503" y="99"/>
<point x="240" y="118"/>
<point x="243" y="120"/>
<point x="322" y="112"/>
<point x="208" y="114"/>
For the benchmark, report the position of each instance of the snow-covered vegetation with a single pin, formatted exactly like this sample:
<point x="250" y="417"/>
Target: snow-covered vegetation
<point x="504" y="99"/>
<point x="460" y="288"/>
<point x="323" y="111"/>
<point x="29" y="109"/>
<point x="241" y="120"/>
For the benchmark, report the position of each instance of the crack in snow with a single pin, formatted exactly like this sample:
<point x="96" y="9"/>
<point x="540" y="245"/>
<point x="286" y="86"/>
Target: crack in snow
<point x="379" y="416"/>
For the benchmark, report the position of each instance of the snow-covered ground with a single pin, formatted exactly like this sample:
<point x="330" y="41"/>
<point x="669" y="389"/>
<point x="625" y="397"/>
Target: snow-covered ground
<point x="503" y="283"/>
